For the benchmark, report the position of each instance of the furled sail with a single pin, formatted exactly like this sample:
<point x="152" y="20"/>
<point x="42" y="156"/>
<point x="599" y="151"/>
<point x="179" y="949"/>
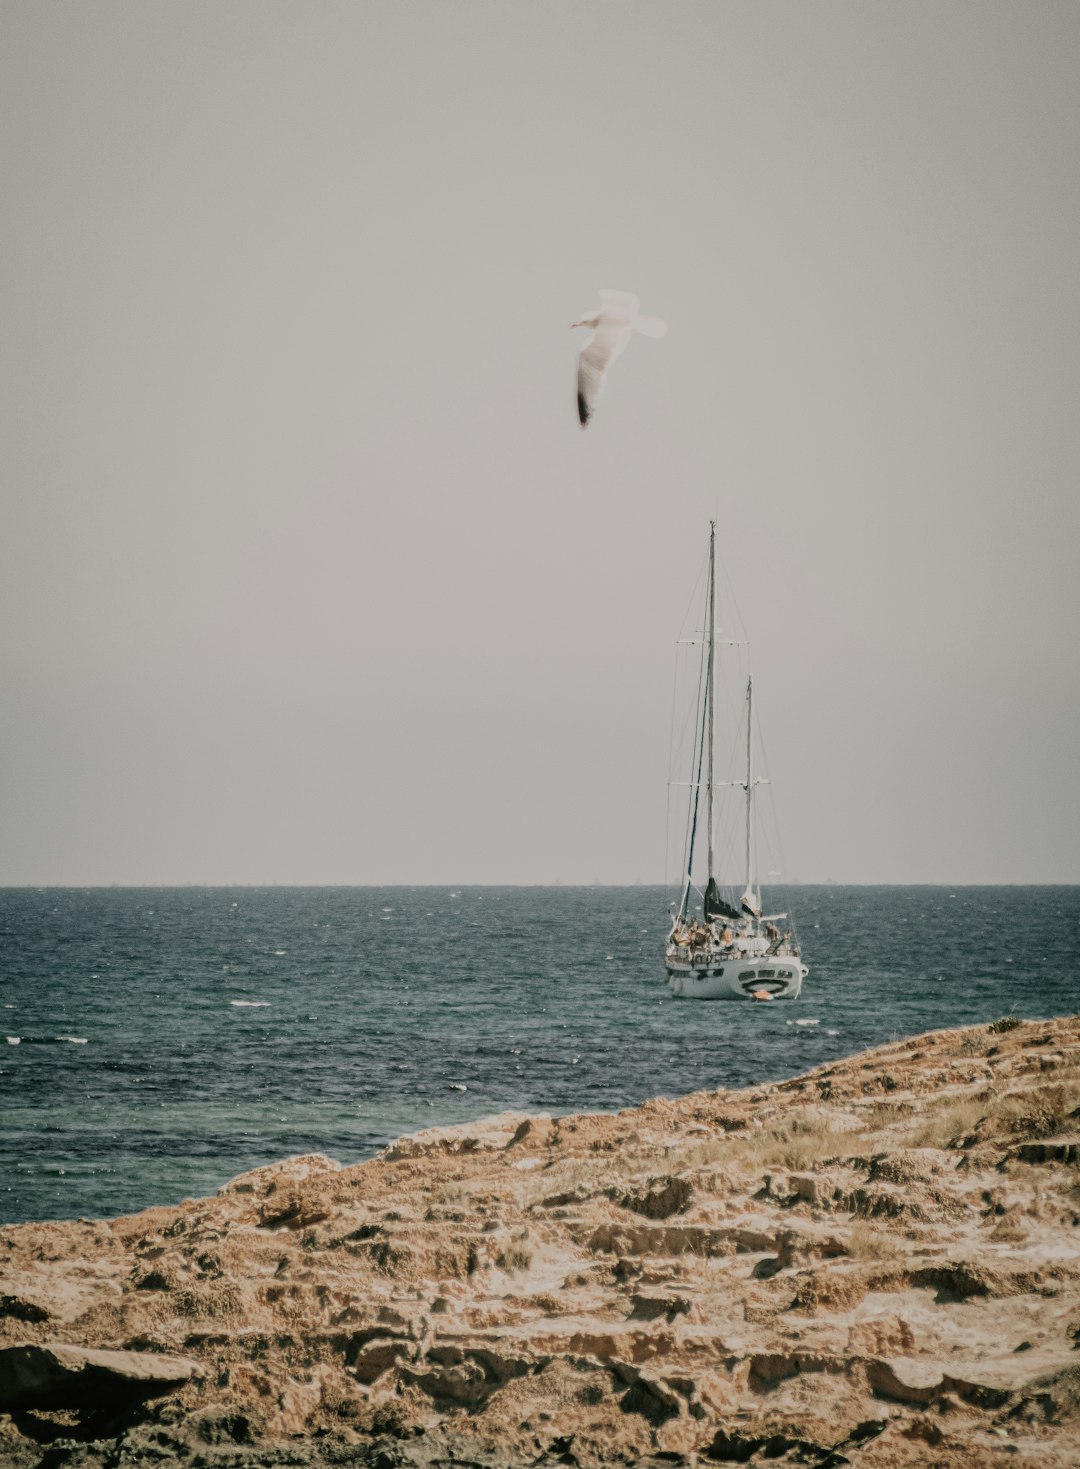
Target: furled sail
<point x="714" y="905"/>
<point x="751" y="903"/>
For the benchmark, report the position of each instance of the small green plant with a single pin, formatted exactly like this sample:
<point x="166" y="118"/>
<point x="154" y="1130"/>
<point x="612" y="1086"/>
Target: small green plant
<point x="1007" y="1022"/>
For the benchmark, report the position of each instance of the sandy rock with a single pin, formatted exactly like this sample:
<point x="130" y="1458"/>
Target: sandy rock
<point x="534" y="1132"/>
<point x="17" y="1309"/>
<point x="54" y="1375"/>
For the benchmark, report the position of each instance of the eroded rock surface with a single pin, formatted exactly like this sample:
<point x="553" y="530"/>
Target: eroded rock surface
<point x="54" y="1375"/>
<point x="874" y="1264"/>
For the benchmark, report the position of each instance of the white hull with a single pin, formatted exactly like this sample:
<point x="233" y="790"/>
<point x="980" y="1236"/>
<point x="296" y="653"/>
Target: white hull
<point x="701" y="976"/>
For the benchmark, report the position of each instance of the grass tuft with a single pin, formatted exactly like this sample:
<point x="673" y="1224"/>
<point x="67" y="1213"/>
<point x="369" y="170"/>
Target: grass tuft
<point x="1007" y="1022"/>
<point x="871" y="1242"/>
<point x="516" y="1256"/>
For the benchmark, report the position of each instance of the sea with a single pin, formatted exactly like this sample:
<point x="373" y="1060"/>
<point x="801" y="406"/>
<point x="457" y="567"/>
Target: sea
<point x="155" y="1042"/>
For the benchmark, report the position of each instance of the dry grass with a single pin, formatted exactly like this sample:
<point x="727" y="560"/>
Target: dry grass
<point x="450" y="1193"/>
<point x="594" y="1174"/>
<point x="872" y="1242"/>
<point x="803" y="1149"/>
<point x="1040" y="1111"/>
<point x="801" y="1138"/>
<point x="1009" y="1230"/>
<point x="880" y="1115"/>
<point x="949" y="1122"/>
<point x="516" y="1256"/>
<point x="702" y="1154"/>
<point x="797" y="1141"/>
<point x="1037" y="1111"/>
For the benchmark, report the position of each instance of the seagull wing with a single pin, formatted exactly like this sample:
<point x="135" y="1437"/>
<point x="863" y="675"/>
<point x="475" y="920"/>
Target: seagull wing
<point x="609" y="339"/>
<point x="620" y="303"/>
<point x="650" y="326"/>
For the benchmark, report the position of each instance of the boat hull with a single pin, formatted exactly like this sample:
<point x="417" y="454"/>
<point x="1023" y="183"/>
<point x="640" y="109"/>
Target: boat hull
<point x="720" y="977"/>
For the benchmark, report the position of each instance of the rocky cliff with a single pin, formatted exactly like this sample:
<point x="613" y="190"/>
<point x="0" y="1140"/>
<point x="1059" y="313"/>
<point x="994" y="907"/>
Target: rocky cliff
<point x="877" y="1263"/>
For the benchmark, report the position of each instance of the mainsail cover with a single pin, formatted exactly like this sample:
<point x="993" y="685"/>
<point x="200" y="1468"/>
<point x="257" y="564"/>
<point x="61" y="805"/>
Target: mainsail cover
<point x="714" y="905"/>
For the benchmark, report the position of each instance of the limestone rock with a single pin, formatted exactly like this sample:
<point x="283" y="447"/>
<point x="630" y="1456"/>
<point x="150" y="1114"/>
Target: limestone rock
<point x="56" y="1375"/>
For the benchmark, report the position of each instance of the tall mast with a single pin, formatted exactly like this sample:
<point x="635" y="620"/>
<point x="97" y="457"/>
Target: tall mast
<point x="749" y="898"/>
<point x="711" y="695"/>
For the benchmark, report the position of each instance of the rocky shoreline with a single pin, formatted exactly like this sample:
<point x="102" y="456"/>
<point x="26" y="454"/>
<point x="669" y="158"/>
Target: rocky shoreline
<point x="876" y="1264"/>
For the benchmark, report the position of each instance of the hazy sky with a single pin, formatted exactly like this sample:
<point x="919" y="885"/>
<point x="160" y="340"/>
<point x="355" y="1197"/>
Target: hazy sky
<point x="307" y="572"/>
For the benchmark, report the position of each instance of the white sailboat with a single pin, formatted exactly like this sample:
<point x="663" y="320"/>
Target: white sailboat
<point x="723" y="947"/>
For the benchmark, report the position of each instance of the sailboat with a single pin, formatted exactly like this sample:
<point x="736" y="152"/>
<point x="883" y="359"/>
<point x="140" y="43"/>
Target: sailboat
<point x="723" y="947"/>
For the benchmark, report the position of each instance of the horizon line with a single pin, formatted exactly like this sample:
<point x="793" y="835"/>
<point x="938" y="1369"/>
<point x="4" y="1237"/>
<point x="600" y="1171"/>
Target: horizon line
<point x="554" y="884"/>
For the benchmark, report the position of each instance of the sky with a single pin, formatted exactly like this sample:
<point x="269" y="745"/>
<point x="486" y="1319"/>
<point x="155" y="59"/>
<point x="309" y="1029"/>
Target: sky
<point x="308" y="573"/>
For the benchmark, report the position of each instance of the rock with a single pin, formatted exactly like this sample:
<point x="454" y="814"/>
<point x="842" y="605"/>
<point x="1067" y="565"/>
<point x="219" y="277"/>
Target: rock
<point x="534" y="1132"/>
<point x="659" y="1198"/>
<point x="57" y="1375"/>
<point x="378" y="1357"/>
<point x="804" y="1187"/>
<point x="19" y="1310"/>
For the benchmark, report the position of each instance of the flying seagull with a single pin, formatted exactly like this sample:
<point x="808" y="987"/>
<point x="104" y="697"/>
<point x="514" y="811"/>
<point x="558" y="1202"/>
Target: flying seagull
<point x="611" y="329"/>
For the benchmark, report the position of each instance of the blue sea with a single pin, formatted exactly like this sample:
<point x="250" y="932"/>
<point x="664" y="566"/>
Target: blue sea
<point x="156" y="1042"/>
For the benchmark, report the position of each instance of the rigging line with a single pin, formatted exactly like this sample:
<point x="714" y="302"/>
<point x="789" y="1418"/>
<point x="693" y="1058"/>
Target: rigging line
<point x="697" y="790"/>
<point x="733" y="689"/>
<point x="698" y="704"/>
<point x="688" y="726"/>
<point x="691" y="603"/>
<point x="729" y="584"/>
<point x="679" y="739"/>
<point x="774" y="836"/>
<point x="785" y="887"/>
<point x="670" y="766"/>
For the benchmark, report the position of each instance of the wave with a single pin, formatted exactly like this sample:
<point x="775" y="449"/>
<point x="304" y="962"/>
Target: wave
<point x="251" y="1004"/>
<point x="46" y="1040"/>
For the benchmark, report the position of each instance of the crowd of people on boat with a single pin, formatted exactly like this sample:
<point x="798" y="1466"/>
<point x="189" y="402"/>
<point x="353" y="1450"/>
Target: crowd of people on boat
<point x="694" y="934"/>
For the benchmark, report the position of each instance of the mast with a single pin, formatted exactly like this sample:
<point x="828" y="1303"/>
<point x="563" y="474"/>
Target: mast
<point x="749" y="786"/>
<point x="750" y="900"/>
<point x="711" y="697"/>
